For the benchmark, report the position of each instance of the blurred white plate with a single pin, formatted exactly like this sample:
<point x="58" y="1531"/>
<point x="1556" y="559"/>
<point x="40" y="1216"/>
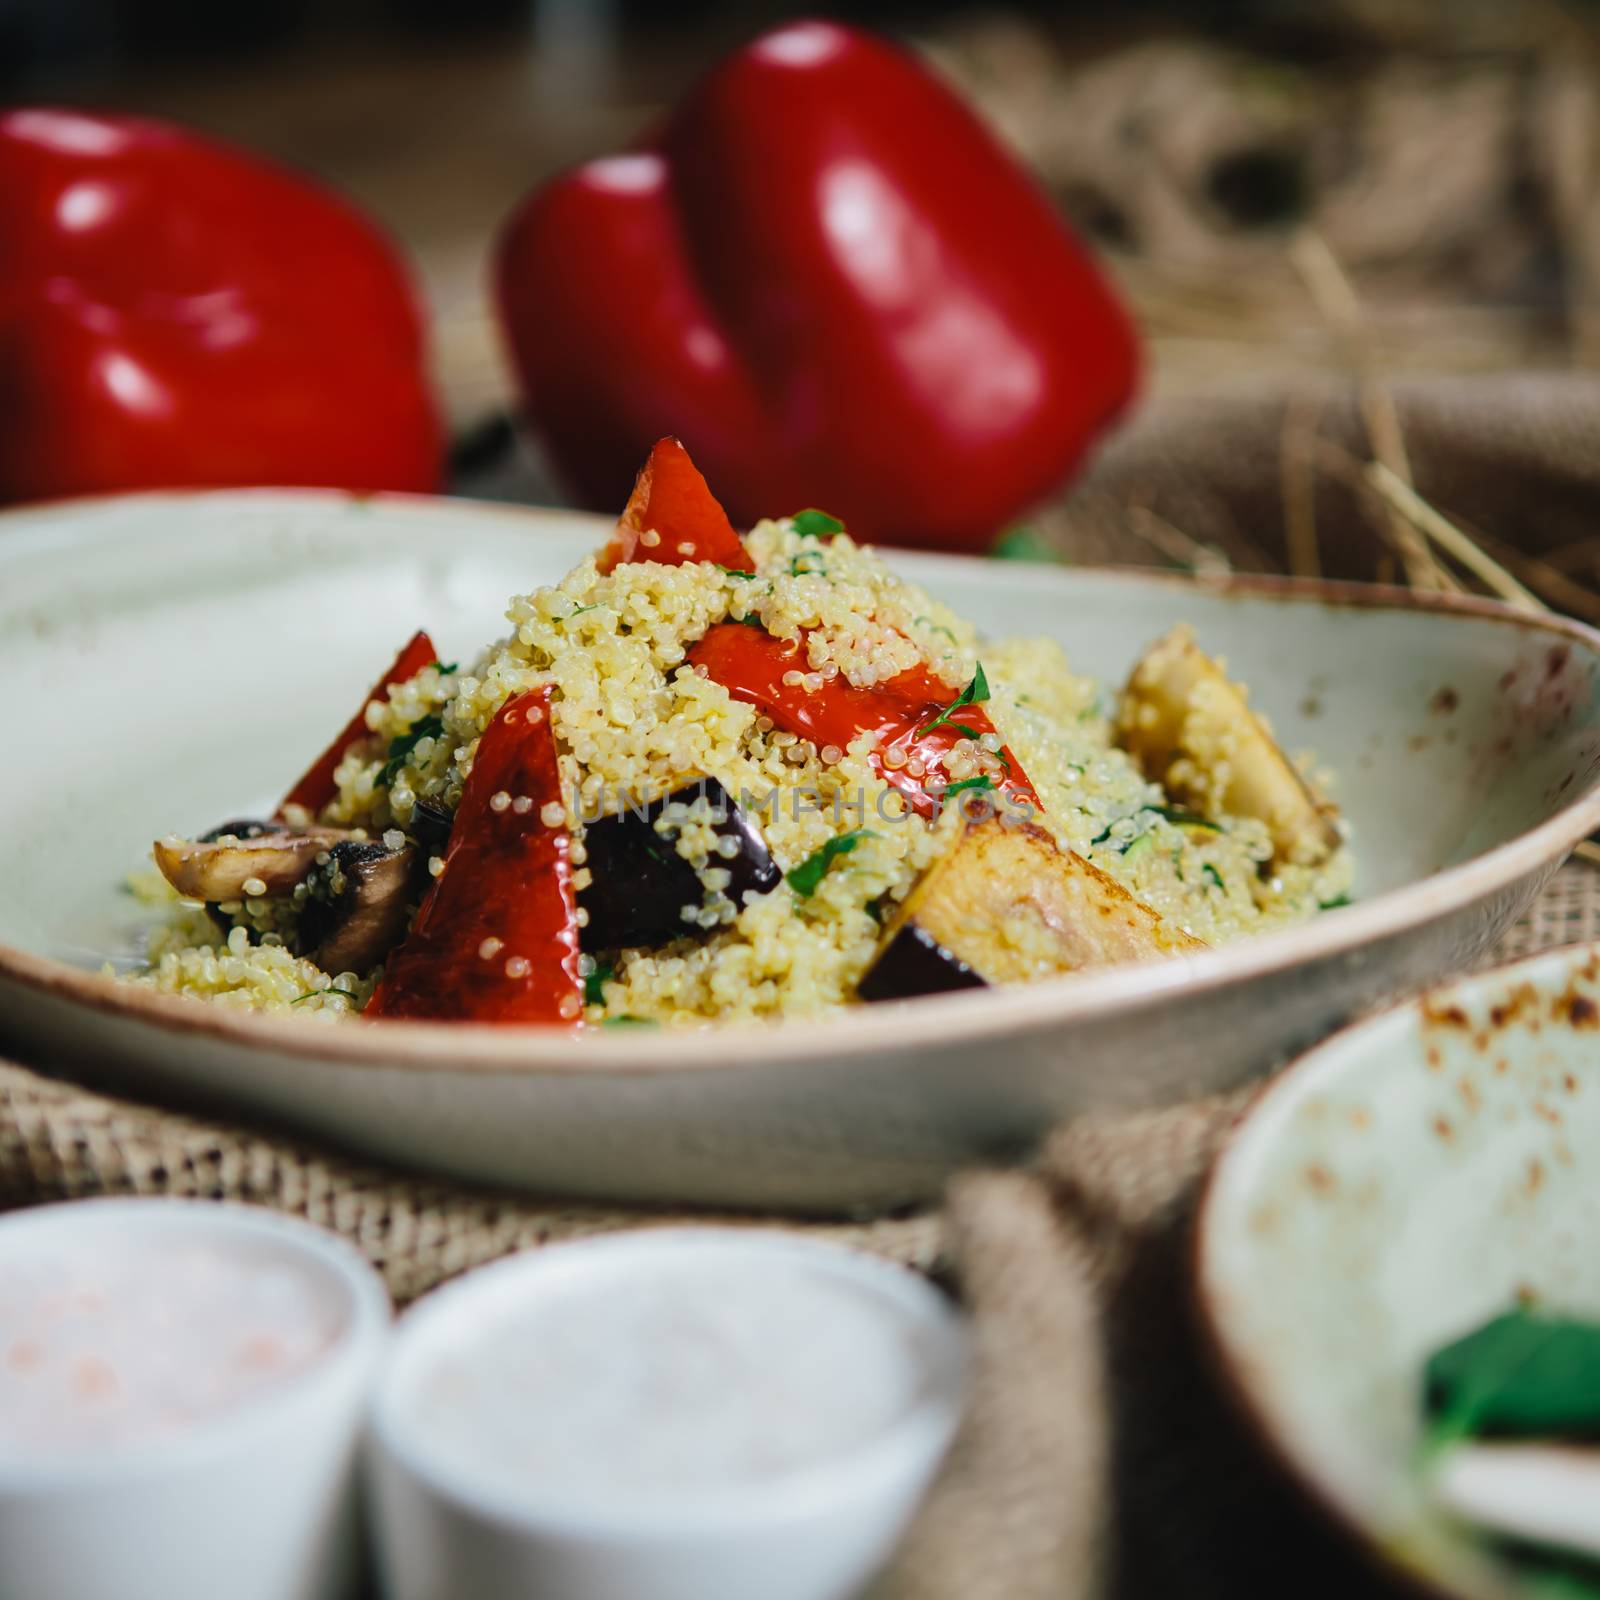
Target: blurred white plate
<point x="170" y="658"/>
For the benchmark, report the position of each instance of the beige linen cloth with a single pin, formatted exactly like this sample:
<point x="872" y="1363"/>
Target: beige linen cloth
<point x="1099" y="1455"/>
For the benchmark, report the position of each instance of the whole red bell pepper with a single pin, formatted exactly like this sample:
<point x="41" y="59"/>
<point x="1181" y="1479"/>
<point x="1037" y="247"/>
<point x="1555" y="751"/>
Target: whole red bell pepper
<point x="175" y="312"/>
<point x="496" y="939"/>
<point x="915" y="714"/>
<point x="831" y="282"/>
<point x="316" y="787"/>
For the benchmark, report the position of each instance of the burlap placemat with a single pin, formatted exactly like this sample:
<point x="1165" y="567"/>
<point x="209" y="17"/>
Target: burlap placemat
<point x="1096" y="1457"/>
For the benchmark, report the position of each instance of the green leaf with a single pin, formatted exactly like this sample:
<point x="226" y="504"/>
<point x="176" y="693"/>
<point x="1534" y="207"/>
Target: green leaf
<point x="976" y="691"/>
<point x="628" y="1020"/>
<point x="1520" y="1375"/>
<point x="733" y="572"/>
<point x="1023" y="544"/>
<point x="814" y="524"/>
<point x="1334" y="904"/>
<point x="429" y="727"/>
<point x="806" y="878"/>
<point x="981" y="782"/>
<point x="443" y="667"/>
<point x="594" y="984"/>
<point x="311" y="994"/>
<point x="797" y="568"/>
<point x="1180" y="818"/>
<point x="1209" y="871"/>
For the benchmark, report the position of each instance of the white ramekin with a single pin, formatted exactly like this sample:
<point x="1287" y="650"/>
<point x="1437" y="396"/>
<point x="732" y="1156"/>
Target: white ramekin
<point x="257" y="1503"/>
<point x="814" y="1533"/>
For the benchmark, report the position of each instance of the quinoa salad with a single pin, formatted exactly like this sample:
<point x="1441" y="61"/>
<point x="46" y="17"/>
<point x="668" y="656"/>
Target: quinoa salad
<point x="710" y="775"/>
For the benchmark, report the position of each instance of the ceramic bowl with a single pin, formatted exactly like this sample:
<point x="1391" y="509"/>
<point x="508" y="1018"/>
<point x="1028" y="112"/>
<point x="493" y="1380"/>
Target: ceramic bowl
<point x="257" y="1502"/>
<point x="1397" y="1187"/>
<point x="449" y="1522"/>
<point x="170" y="658"/>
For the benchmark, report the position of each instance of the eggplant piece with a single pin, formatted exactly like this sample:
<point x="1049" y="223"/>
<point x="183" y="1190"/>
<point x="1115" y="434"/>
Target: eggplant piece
<point x="1008" y="905"/>
<point x="431" y="822"/>
<point x="1193" y="732"/>
<point x="239" y="828"/>
<point x="218" y="868"/>
<point x="359" y="905"/>
<point x="639" y="884"/>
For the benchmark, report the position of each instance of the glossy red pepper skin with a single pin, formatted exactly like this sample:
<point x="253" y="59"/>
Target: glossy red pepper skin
<point x="316" y="787"/>
<point x="174" y="313"/>
<point x="508" y="878"/>
<point x="673" y="500"/>
<point x="750" y="664"/>
<point x="832" y="283"/>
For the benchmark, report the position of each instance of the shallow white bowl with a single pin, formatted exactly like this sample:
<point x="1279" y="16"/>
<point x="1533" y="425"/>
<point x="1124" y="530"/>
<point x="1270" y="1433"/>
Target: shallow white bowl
<point x="815" y="1532"/>
<point x="257" y="1503"/>
<point x="170" y="659"/>
<point x="1397" y="1187"/>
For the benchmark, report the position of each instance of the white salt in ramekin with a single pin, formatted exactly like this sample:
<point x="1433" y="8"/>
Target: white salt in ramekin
<point x="256" y="1503"/>
<point x="815" y="1532"/>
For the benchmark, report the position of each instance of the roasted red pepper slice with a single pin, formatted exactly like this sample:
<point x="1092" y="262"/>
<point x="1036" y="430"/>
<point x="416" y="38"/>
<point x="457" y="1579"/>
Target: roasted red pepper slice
<point x="750" y="664"/>
<point x="496" y="939"/>
<point x="671" y="498"/>
<point x="316" y="786"/>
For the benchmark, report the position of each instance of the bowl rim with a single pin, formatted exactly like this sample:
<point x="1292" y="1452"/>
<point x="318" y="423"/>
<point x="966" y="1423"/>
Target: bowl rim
<point x="517" y="1049"/>
<point x="1223" y="1354"/>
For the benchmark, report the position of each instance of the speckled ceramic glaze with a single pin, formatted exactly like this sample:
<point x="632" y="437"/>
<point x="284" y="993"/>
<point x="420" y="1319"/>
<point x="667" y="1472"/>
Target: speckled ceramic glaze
<point x="1400" y="1185"/>
<point x="170" y="658"/>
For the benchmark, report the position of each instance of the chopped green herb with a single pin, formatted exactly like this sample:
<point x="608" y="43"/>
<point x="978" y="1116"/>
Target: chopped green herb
<point x="973" y="694"/>
<point x="628" y="1020"/>
<point x="805" y="878"/>
<point x="875" y="908"/>
<point x="594" y="984"/>
<point x="981" y="782"/>
<point x="594" y="605"/>
<point x="1520" y="1375"/>
<point x="1334" y="904"/>
<point x="934" y="627"/>
<point x="750" y="619"/>
<point x="1210" y="872"/>
<point x="814" y="524"/>
<point x="443" y="667"/>
<point x="1104" y="834"/>
<point x="1140" y="846"/>
<point x="1181" y="818"/>
<point x="311" y="994"/>
<point x="1023" y="544"/>
<point x="429" y="727"/>
<point x="733" y="572"/>
<point x="809" y="563"/>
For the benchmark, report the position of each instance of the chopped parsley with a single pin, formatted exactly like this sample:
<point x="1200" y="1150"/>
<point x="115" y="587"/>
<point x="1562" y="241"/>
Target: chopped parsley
<point x="429" y="727"/>
<point x="875" y="908"/>
<point x="1334" y="904"/>
<point x="1180" y="818"/>
<point x="806" y="878"/>
<point x="935" y="627"/>
<point x="751" y="619"/>
<point x="594" y="984"/>
<point x="311" y="994"/>
<point x="733" y="572"/>
<point x="802" y="565"/>
<point x="594" y="605"/>
<point x="1022" y="544"/>
<point x="1209" y="872"/>
<point x="975" y="692"/>
<point x="981" y="782"/>
<point x="814" y="524"/>
<point x="443" y="667"/>
<point x="628" y="1020"/>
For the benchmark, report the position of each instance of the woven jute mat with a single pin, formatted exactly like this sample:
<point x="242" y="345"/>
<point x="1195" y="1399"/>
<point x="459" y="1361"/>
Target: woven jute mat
<point x="1097" y="1456"/>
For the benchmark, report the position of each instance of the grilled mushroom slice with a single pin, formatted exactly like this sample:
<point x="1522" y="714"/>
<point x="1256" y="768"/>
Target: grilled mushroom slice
<point x="639" y="884"/>
<point x="359" y="904"/>
<point x="219" y="866"/>
<point x="1008" y="905"/>
<point x="1193" y="732"/>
